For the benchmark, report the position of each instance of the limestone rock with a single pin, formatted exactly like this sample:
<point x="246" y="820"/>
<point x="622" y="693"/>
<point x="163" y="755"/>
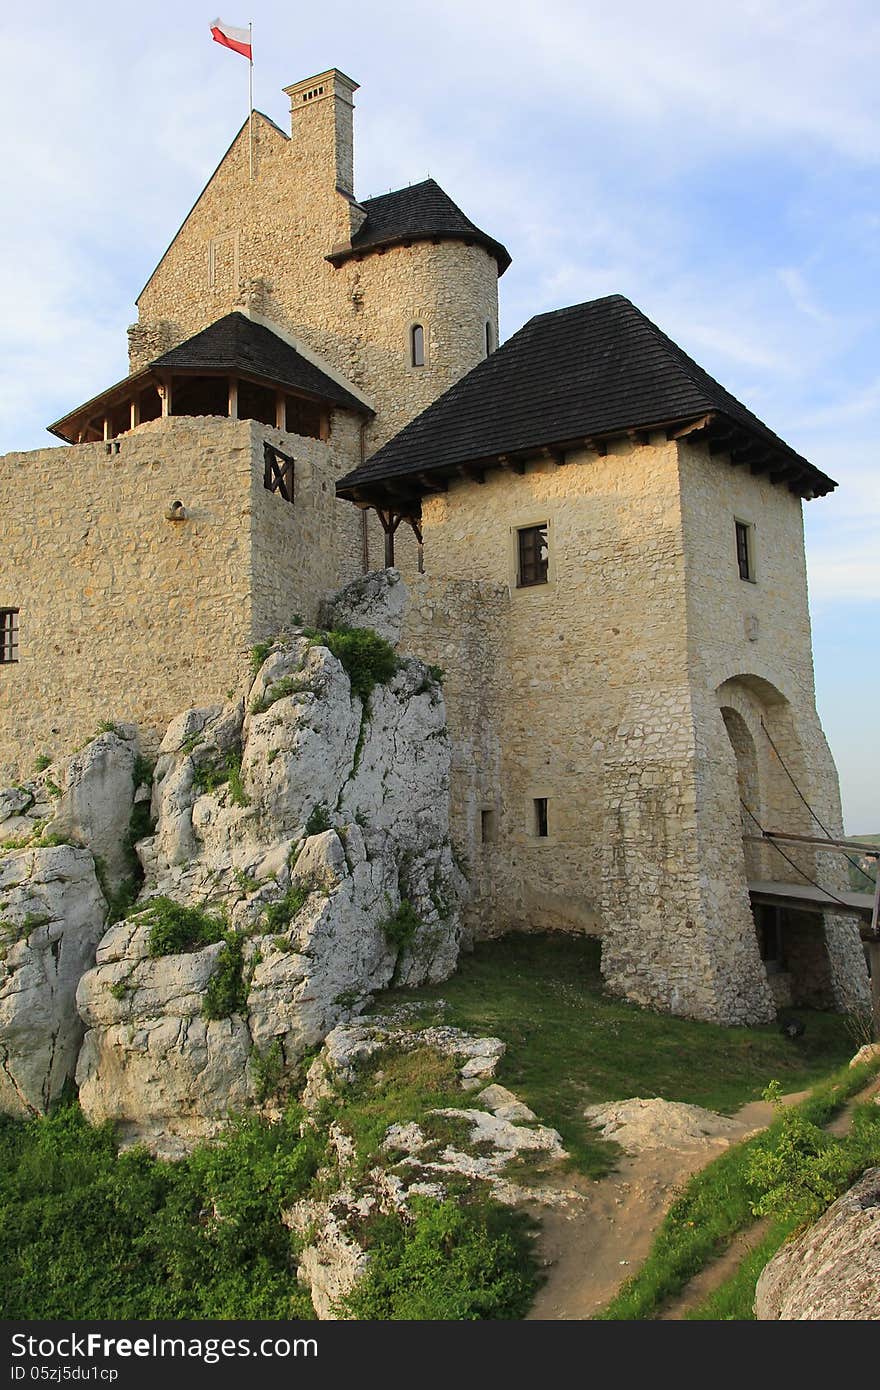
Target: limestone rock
<point x="52" y="916"/>
<point x="95" y="806"/>
<point x="320" y="828"/>
<point x="151" y="1061"/>
<point x="378" y="600"/>
<point x="638" y="1124"/>
<point x="866" y="1053"/>
<point x="832" y="1271"/>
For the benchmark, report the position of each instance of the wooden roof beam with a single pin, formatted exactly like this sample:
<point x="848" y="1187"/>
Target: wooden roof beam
<point x="639" y="436"/>
<point x="599" y="446"/>
<point x="516" y="465"/>
<point x="433" y="484"/>
<point x="471" y="473"/>
<point x="556" y="455"/>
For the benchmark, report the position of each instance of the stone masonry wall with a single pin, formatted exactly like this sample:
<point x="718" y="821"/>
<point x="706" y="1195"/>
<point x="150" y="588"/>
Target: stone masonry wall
<point x="260" y="246"/>
<point x="127" y="614"/>
<point x="566" y="657"/>
<point x="598" y="692"/>
<point x="750" y="650"/>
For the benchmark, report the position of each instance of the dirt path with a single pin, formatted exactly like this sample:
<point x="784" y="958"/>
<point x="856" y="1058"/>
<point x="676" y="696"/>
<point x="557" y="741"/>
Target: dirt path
<point x="713" y="1275"/>
<point x="589" y="1247"/>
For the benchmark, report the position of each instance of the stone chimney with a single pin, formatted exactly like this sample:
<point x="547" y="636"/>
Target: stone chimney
<point x="322" y="127"/>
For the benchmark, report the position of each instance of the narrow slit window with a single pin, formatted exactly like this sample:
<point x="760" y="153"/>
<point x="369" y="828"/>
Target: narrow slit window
<point x="488" y="826"/>
<point x="533" y="555"/>
<point x="8" y="635"/>
<point x="745" y="550"/>
<point x="417" y="345"/>
<point x="541" y="822"/>
<point x="490" y="339"/>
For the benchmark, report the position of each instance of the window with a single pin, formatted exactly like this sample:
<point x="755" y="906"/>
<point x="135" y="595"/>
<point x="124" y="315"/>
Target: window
<point x="541" y="828"/>
<point x="8" y="635"/>
<point x="277" y="472"/>
<point x="745" y="550"/>
<point x="488" y="826"/>
<point x="490" y="338"/>
<point x="417" y="345"/>
<point x="532" y="555"/>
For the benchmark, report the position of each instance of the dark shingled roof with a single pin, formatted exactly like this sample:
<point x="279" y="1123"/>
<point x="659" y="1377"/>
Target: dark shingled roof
<point x="417" y="213"/>
<point x="587" y="372"/>
<point x="237" y="344"/>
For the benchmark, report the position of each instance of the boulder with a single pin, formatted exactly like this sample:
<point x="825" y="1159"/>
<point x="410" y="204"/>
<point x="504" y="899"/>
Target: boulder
<point x="319" y="827"/>
<point x="637" y="1124"/>
<point x="832" y="1271"/>
<point x="97" y="797"/>
<point x="378" y="600"/>
<point x="52" y="916"/>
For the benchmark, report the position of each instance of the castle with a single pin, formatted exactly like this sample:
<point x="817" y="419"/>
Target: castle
<point x="604" y="552"/>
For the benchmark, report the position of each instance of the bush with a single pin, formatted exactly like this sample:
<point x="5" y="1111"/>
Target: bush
<point x="87" y="1233"/>
<point x="278" y="916"/>
<point x="219" y="772"/>
<point x="318" y="821"/>
<point x="175" y="929"/>
<point x="367" y="658"/>
<point x="401" y="926"/>
<point x="452" y="1262"/>
<point x="226" y="993"/>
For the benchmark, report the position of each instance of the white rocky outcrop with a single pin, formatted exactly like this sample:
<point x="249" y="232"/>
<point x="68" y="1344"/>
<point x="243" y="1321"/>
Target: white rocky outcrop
<point x="470" y="1144"/>
<point x="378" y="600"/>
<point x="832" y="1271"/>
<point x="97" y="796"/>
<point x="52" y="916"/>
<point x="317" y="823"/>
<point x="638" y="1124"/>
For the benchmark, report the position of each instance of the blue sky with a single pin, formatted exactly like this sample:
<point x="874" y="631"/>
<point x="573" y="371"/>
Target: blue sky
<point x="720" y="165"/>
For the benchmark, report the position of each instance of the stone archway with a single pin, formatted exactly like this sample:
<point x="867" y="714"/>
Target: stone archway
<point x="810" y="957"/>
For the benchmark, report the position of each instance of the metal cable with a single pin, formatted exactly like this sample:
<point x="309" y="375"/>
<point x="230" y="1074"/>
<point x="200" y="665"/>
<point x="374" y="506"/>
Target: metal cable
<point x="855" y="864"/>
<point x="770" y="841"/>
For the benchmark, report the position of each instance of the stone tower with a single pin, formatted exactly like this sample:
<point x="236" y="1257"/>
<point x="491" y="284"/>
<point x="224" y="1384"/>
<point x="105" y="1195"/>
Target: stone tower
<point x="398" y="293"/>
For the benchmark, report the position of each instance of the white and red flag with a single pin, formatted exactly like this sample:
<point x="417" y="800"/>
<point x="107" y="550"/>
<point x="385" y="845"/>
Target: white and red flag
<point x="239" y="40"/>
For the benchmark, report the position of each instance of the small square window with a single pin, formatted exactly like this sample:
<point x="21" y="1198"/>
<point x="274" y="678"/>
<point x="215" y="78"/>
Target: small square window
<point x="8" y="635"/>
<point x="533" y="555"/>
<point x="745" y="550"/>
<point x="541" y="823"/>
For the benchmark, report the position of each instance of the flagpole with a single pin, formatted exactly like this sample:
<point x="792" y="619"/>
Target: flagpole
<point x="251" y="95"/>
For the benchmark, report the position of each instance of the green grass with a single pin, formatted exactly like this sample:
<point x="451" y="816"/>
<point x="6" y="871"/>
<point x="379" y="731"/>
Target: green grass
<point x="87" y="1234"/>
<point x="721" y="1200"/>
<point x="821" y="1181"/>
<point x="393" y="1087"/>
<point x="458" y="1261"/>
<point x="569" y="1044"/>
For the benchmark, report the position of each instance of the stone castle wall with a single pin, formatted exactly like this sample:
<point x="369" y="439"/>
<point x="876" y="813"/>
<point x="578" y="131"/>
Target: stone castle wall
<point x="566" y="655"/>
<point x="260" y="246"/>
<point x="600" y="691"/>
<point x="127" y="615"/>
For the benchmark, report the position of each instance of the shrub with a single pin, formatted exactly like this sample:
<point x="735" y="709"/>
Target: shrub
<point x="91" y="1233"/>
<point x="277" y="690"/>
<point x="175" y="929"/>
<point x="267" y="1069"/>
<point x="42" y="762"/>
<point x="367" y="658"/>
<point x="221" y="771"/>
<point x="278" y="916"/>
<point x="318" y="821"/>
<point x="401" y="926"/>
<point x="451" y="1262"/>
<point x="226" y="993"/>
<point x="801" y="1172"/>
<point x="259" y="654"/>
